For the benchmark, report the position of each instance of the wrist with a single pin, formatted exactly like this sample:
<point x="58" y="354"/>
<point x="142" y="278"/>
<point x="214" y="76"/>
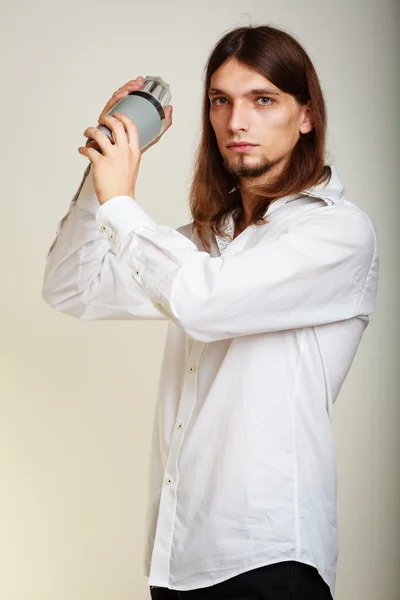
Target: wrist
<point x="107" y="197"/>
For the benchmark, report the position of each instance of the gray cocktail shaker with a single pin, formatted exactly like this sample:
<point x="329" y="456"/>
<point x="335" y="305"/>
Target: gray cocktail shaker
<point x="145" y="107"/>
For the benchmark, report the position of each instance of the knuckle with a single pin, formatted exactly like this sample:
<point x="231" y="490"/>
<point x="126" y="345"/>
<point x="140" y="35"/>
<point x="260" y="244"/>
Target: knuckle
<point x="136" y="157"/>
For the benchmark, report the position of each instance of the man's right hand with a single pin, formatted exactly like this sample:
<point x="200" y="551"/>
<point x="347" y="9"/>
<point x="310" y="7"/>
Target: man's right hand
<point x="133" y="85"/>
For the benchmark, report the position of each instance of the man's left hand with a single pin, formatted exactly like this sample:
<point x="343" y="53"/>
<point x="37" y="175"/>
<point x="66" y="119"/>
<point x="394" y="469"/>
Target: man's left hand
<point x="116" y="170"/>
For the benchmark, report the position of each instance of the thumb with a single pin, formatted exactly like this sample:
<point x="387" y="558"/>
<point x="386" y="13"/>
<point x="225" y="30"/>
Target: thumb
<point x="168" y="116"/>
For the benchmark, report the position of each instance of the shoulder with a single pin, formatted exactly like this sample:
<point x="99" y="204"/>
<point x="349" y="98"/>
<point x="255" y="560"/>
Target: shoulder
<point x="343" y="221"/>
<point x="355" y="222"/>
<point x="361" y="214"/>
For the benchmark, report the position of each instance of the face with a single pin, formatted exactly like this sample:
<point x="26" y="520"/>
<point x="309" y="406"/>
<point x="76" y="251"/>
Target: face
<point x="270" y="119"/>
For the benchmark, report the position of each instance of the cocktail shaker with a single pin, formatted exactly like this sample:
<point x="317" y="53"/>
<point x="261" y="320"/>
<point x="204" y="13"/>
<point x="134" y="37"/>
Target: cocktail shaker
<point x="145" y="107"/>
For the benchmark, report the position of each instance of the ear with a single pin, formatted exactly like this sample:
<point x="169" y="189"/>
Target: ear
<point x="306" y="122"/>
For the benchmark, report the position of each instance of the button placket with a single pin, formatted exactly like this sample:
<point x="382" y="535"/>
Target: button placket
<point x="164" y="534"/>
<point x="189" y="393"/>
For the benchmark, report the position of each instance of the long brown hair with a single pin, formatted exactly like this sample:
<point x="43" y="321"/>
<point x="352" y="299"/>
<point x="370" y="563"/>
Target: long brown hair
<point x="280" y="58"/>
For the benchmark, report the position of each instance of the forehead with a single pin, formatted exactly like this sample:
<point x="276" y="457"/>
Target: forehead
<point x="235" y="78"/>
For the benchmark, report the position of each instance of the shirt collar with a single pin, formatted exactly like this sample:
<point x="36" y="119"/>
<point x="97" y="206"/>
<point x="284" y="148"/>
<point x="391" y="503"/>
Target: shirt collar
<point x="331" y="192"/>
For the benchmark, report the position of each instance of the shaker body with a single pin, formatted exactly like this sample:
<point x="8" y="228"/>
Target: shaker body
<point x="143" y="113"/>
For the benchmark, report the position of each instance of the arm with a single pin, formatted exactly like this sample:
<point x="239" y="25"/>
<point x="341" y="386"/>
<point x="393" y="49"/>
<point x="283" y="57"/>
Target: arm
<point x="82" y="277"/>
<point x="322" y="269"/>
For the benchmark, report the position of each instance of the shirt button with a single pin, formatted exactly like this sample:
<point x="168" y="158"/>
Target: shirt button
<point x="192" y="369"/>
<point x="180" y="425"/>
<point x="137" y="272"/>
<point x="111" y="236"/>
<point x="103" y="227"/>
<point x="168" y="481"/>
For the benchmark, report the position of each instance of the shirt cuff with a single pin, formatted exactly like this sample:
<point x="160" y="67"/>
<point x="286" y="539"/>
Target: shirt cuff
<point x="87" y="197"/>
<point x="118" y="218"/>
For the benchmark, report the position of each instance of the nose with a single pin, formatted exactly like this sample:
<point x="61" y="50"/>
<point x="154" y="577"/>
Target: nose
<point x="238" y="120"/>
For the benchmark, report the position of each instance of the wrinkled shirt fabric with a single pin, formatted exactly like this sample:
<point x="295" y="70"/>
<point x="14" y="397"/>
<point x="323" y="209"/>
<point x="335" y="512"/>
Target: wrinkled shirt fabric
<point x="262" y="332"/>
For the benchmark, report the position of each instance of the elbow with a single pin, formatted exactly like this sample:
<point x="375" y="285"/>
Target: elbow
<point x="197" y="326"/>
<point x="204" y="332"/>
<point x="60" y="300"/>
<point x="48" y="293"/>
<point x="198" y="335"/>
<point x="196" y="318"/>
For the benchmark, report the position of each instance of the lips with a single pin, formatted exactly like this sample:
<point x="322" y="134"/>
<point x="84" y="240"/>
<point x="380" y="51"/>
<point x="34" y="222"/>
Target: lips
<point x="239" y="144"/>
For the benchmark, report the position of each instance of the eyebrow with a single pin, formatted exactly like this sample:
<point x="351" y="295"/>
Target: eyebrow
<point x="257" y="91"/>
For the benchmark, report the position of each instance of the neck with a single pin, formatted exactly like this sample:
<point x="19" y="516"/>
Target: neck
<point x="245" y="184"/>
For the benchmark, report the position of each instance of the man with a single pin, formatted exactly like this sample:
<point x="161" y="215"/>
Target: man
<point x="267" y="292"/>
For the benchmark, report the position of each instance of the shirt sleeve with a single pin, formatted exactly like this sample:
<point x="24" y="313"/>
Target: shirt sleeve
<point x="322" y="268"/>
<point x="82" y="278"/>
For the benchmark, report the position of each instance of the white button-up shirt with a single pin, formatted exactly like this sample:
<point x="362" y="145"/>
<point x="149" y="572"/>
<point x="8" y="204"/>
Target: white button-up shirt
<point x="262" y="333"/>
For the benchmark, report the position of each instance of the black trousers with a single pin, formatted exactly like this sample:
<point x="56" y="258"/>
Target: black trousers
<point x="290" y="580"/>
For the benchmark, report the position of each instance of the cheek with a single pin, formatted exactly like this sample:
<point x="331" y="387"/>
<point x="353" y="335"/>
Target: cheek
<point x="213" y="123"/>
<point x="278" y="119"/>
<point x="280" y="128"/>
<point x="218" y="130"/>
<point x="216" y="122"/>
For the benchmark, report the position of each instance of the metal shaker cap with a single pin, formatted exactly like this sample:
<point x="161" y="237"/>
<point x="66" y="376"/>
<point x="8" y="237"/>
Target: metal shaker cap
<point x="158" y="88"/>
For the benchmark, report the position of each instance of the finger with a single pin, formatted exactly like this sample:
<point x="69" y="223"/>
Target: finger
<point x="131" y="131"/>
<point x="167" y="122"/>
<point x="139" y="80"/>
<point x="100" y="137"/>
<point x="117" y="129"/>
<point x="90" y="153"/>
<point x="130" y="86"/>
<point x="93" y="144"/>
<point x="169" y="116"/>
<point x="112" y="102"/>
<point x="117" y="97"/>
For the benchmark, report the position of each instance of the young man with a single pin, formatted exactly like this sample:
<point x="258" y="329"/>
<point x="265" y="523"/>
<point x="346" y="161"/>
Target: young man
<point x="267" y="292"/>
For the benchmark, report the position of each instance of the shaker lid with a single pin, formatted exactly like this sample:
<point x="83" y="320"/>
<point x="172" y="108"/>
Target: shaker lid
<point x="158" y="88"/>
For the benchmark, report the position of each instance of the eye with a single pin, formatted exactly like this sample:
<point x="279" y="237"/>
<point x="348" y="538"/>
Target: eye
<point x="214" y="100"/>
<point x="265" y="98"/>
<point x="269" y="100"/>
